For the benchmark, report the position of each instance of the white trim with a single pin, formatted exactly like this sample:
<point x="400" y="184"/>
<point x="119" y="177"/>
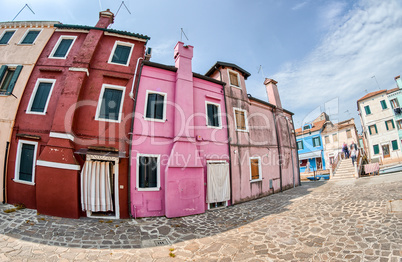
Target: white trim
<point x="125" y="36"/>
<point x="100" y="100"/>
<point x="56" y="46"/>
<point x="164" y="106"/>
<point x="114" y="48"/>
<point x="245" y="119"/>
<point x="18" y="162"/>
<point x="219" y="115"/>
<point x="216" y="161"/>
<point x="4" y="32"/>
<point x="31" y="100"/>
<point x="259" y="169"/>
<point x="62" y="136"/>
<point x="158" y="173"/>
<point x="238" y="78"/>
<point x="72" y="30"/>
<point x="25" y="34"/>
<point x="226" y="205"/>
<point x="79" y="69"/>
<point x="116" y="184"/>
<point x="58" y="165"/>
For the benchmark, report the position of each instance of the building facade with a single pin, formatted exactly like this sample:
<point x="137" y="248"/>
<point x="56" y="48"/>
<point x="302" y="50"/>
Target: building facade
<point x="395" y="101"/>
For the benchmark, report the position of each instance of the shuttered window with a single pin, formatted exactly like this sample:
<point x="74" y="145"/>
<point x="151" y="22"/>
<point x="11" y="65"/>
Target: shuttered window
<point x="213" y="115"/>
<point x="147" y="172"/>
<point x="316" y="141"/>
<point x="234" y="80"/>
<point x="383" y="104"/>
<point x="389" y="124"/>
<point x="367" y="109"/>
<point x="6" y="37"/>
<point x="155" y="106"/>
<point x="327" y="139"/>
<point x="41" y="97"/>
<point x="63" y="48"/>
<point x="373" y="129"/>
<point x="299" y="145"/>
<point x="30" y="37"/>
<point x="376" y="149"/>
<point x="240" y="117"/>
<point x="394" y="145"/>
<point x="349" y="133"/>
<point x="255" y="168"/>
<point x="121" y="54"/>
<point x="111" y="103"/>
<point x="8" y="78"/>
<point x="26" y="162"/>
<point x="335" y="137"/>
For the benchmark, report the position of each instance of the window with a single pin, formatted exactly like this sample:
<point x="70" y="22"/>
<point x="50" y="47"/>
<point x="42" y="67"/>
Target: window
<point x="383" y="104"/>
<point x="303" y="163"/>
<point x="110" y="103"/>
<point x="148" y="172"/>
<point x="300" y="145"/>
<point x="306" y="127"/>
<point x="30" y="37"/>
<point x="389" y="124"/>
<point x="373" y="129"/>
<point x="348" y="133"/>
<point x="7" y="34"/>
<point x="335" y="137"/>
<point x="62" y="47"/>
<point x="234" y="78"/>
<point x="241" y="119"/>
<point x="367" y="109"/>
<point x="40" y="96"/>
<point x="394" y="103"/>
<point x="121" y="53"/>
<point x="213" y="114"/>
<point x="316" y="141"/>
<point x="399" y="124"/>
<point x="376" y="149"/>
<point x="327" y="139"/>
<point x="394" y="145"/>
<point x="155" y="107"/>
<point x="25" y="162"/>
<point x="8" y="78"/>
<point x="255" y="169"/>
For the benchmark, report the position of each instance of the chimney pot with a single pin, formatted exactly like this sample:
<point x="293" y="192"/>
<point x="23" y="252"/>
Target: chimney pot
<point x="272" y="92"/>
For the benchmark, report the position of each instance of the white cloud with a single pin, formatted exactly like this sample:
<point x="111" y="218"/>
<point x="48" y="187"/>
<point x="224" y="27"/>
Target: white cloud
<point x="366" y="42"/>
<point x="299" y="5"/>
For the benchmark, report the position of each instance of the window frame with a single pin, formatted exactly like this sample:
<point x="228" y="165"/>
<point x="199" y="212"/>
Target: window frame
<point x="18" y="162"/>
<point x="4" y="32"/>
<point x="375" y="128"/>
<point x="394" y="103"/>
<point x="335" y="136"/>
<point x="116" y="43"/>
<point x="219" y="115"/>
<point x="56" y="46"/>
<point x="301" y="143"/>
<point x="392" y="145"/>
<point x="319" y="141"/>
<point x="327" y="140"/>
<point x="378" y="149"/>
<point x="26" y="33"/>
<point x="146" y="106"/>
<point x="259" y="169"/>
<point x="399" y="124"/>
<point x="238" y="78"/>
<point x="245" y="119"/>
<point x="100" y="100"/>
<point x="32" y="98"/>
<point x="349" y="133"/>
<point x="392" y="125"/>
<point x="383" y="104"/>
<point x="365" y="110"/>
<point x="158" y="174"/>
<point x="16" y="74"/>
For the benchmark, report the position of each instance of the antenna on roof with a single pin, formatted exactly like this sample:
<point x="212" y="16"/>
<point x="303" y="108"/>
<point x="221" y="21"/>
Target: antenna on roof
<point x="100" y="5"/>
<point x="26" y="5"/>
<point x="181" y="36"/>
<point x="122" y="4"/>
<point x="376" y="82"/>
<point x="260" y="69"/>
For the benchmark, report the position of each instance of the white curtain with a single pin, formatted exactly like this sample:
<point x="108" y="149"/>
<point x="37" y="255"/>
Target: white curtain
<point x="218" y="183"/>
<point x="96" y="190"/>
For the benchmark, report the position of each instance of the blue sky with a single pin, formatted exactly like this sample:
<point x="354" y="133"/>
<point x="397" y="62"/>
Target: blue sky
<point x="323" y="53"/>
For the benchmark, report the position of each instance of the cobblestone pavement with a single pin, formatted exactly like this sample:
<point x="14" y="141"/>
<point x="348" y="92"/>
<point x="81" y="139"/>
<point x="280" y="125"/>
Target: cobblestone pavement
<point x="344" y="220"/>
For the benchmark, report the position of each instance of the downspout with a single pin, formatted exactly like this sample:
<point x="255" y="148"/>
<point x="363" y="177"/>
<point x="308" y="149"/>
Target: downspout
<point x="297" y="155"/>
<point x="4" y="172"/>
<point x="279" y="150"/>
<point x="291" y="153"/>
<point x="229" y="140"/>
<point x="131" y="134"/>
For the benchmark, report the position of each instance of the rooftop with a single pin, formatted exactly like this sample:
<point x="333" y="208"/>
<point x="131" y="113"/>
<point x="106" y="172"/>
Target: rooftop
<point x="224" y="64"/>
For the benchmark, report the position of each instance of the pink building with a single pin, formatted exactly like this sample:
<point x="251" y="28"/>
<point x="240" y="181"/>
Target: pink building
<point x="179" y="155"/>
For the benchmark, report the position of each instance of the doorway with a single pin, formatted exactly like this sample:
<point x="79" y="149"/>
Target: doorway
<point x="385" y="151"/>
<point x="218" y="184"/>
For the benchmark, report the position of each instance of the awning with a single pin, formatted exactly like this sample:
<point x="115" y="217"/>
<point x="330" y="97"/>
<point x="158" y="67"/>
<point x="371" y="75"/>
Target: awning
<point x="309" y="155"/>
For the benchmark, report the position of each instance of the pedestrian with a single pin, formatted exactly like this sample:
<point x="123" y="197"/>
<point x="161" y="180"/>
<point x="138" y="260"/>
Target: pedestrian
<point x="345" y="150"/>
<point x="353" y="145"/>
<point x="353" y="154"/>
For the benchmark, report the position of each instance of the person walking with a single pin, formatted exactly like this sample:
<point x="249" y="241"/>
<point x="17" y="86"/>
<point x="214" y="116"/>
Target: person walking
<point x="353" y="154"/>
<point x="345" y="150"/>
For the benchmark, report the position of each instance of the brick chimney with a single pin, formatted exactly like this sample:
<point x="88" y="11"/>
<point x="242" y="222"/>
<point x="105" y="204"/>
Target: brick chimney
<point x="105" y="19"/>
<point x="398" y="81"/>
<point x="272" y="92"/>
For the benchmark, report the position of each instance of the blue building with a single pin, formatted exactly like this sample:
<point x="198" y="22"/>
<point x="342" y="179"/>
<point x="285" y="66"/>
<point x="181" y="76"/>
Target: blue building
<point x="310" y="146"/>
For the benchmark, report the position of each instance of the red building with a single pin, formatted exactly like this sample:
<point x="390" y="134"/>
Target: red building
<point x="75" y="114"/>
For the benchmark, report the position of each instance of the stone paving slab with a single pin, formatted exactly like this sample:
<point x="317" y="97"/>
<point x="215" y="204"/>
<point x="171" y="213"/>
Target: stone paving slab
<point x="345" y="220"/>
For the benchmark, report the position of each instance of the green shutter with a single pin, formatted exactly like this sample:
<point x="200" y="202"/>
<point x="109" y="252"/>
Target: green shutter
<point x="110" y="107"/>
<point x="6" y="37"/>
<point x="3" y="70"/>
<point x="383" y="104"/>
<point x="26" y="162"/>
<point x="41" y="97"/>
<point x="394" y="145"/>
<point x="121" y="54"/>
<point x="63" y="47"/>
<point x="393" y="125"/>
<point x="375" y="126"/>
<point x="386" y="125"/>
<point x="10" y="87"/>
<point x="30" y="37"/>
<point x="368" y="111"/>
<point x="376" y="149"/>
<point x="369" y="130"/>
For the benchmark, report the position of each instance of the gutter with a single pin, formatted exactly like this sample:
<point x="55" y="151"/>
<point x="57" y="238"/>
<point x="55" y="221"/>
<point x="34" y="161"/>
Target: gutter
<point x="291" y="153"/>
<point x="297" y="155"/>
<point x="5" y="171"/>
<point x="279" y="150"/>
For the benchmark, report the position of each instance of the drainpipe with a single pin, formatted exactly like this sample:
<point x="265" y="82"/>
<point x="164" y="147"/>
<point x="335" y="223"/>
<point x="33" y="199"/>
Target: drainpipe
<point x="279" y="150"/>
<point x="229" y="140"/>
<point x="297" y="155"/>
<point x="131" y="137"/>
<point x="135" y="73"/>
<point x="4" y="172"/>
<point x="291" y="153"/>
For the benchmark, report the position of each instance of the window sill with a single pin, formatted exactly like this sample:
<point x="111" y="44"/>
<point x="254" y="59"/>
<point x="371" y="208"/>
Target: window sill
<point x="241" y="130"/>
<point x="112" y="63"/>
<point x="155" y="120"/>
<point x="214" y="127"/>
<point x="149" y="189"/>
<point x="107" y="120"/>
<point x="255" y="180"/>
<point x="238" y="87"/>
<point x="54" y="57"/>
<point x="24" y="182"/>
<point x="35" y="113"/>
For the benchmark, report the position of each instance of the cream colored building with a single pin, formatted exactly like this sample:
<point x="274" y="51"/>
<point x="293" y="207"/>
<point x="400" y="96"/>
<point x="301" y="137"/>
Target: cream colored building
<point x="335" y="134"/>
<point x="21" y="44"/>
